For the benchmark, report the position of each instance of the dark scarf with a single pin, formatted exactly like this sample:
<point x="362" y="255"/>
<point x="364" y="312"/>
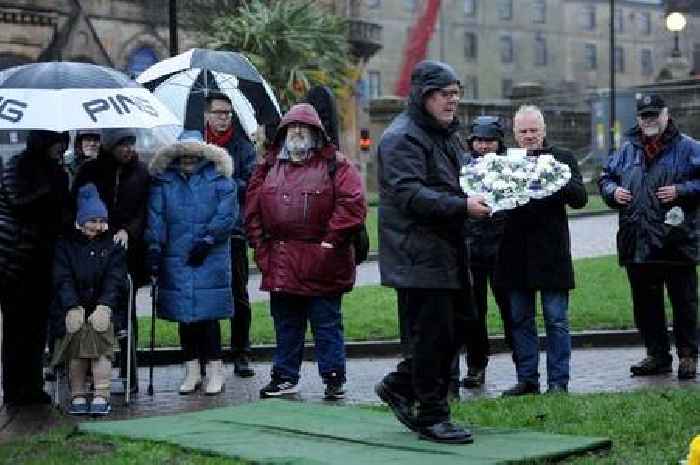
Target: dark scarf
<point x="653" y="146"/>
<point x="220" y="140"/>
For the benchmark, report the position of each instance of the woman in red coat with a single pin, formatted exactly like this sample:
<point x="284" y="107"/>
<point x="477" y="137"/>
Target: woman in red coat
<point x="304" y="203"/>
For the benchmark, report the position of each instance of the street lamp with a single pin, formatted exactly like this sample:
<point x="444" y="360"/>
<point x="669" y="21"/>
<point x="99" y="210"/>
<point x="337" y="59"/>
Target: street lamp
<point x="675" y="22"/>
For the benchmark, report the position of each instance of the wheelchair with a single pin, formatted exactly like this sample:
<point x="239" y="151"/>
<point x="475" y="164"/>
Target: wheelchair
<point x="125" y="357"/>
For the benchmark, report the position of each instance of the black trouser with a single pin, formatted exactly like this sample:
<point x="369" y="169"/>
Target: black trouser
<point x="478" y="349"/>
<point x="25" y="309"/>
<point x="240" y="323"/>
<point x="647" y="284"/>
<point x="432" y="323"/>
<point x="201" y="340"/>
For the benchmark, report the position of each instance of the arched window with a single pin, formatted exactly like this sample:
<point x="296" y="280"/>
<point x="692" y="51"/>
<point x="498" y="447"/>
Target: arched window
<point x="140" y="59"/>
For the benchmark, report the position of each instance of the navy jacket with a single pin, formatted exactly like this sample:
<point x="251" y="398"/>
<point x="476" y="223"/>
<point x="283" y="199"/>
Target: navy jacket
<point x="643" y="235"/>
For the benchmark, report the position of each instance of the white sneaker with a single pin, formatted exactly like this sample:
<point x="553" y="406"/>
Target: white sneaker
<point x="215" y="378"/>
<point x="193" y="379"/>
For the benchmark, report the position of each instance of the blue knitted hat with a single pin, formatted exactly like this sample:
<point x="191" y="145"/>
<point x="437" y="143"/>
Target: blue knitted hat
<point x="90" y="206"/>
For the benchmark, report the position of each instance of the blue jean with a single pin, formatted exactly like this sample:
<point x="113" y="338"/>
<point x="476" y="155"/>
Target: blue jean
<point x="555" y="304"/>
<point x="290" y="314"/>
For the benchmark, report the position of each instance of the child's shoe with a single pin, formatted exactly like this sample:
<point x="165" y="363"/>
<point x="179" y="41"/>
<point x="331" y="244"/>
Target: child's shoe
<point x="100" y="406"/>
<point x="79" y="406"/>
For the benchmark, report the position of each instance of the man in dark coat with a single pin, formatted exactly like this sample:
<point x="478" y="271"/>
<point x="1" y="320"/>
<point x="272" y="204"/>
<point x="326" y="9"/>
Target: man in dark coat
<point x="654" y="182"/>
<point x="483" y="239"/>
<point x="421" y="253"/>
<point x="34" y="211"/>
<point x="223" y="129"/>
<point x="535" y="255"/>
<point x="122" y="182"/>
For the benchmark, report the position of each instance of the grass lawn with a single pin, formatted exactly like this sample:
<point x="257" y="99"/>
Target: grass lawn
<point x="650" y="427"/>
<point x="601" y="301"/>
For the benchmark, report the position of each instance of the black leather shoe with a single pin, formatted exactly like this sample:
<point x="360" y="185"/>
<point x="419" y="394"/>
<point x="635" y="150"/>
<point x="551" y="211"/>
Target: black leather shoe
<point x="557" y="389"/>
<point x="476" y="377"/>
<point x="522" y="389"/>
<point x="400" y="405"/>
<point x="651" y="366"/>
<point x="242" y="368"/>
<point x="446" y="433"/>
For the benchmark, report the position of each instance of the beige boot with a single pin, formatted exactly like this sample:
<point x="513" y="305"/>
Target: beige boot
<point x="193" y="379"/>
<point x="215" y="377"/>
<point x="102" y="376"/>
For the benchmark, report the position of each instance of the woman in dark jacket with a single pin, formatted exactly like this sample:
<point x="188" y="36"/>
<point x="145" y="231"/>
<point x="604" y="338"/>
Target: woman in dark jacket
<point x="191" y="212"/>
<point x="89" y="273"/>
<point x="303" y="204"/>
<point x="35" y="209"/>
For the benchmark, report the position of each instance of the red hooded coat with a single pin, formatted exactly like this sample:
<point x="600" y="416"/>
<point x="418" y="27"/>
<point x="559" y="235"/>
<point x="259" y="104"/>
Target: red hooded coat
<point x="292" y="207"/>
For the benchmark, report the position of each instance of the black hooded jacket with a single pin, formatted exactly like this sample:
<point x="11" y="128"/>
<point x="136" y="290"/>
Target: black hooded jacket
<point x="35" y="208"/>
<point x="535" y="251"/>
<point x="421" y="205"/>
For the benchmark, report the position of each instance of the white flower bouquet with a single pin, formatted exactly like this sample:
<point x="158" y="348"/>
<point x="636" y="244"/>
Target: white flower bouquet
<point x="507" y="181"/>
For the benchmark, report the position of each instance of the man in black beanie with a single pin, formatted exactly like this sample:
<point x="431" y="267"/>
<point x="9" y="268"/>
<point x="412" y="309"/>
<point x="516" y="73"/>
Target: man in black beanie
<point x="421" y="253"/>
<point x="35" y="209"/>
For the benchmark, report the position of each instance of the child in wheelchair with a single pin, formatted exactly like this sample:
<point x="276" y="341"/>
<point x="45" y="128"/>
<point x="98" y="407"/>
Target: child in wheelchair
<point x="90" y="276"/>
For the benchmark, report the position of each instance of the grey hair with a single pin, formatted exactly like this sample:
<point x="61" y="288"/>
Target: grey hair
<point x="525" y="109"/>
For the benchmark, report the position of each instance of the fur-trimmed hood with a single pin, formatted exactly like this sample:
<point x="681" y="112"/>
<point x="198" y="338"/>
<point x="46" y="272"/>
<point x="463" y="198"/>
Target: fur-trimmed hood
<point x="166" y="156"/>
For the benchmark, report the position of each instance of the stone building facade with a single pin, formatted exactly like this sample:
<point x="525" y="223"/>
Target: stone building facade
<point x="561" y="45"/>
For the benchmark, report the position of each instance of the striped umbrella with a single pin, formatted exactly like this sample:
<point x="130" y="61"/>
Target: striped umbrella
<point x="183" y="81"/>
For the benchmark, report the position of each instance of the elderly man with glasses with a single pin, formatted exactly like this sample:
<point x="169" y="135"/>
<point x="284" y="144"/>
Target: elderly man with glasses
<point x="654" y="183"/>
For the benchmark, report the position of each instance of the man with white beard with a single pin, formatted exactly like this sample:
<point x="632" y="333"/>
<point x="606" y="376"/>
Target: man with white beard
<point x="654" y="182"/>
<point x="304" y="203"/>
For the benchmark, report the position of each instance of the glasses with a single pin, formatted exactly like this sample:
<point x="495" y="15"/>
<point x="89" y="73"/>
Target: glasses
<point x="221" y="113"/>
<point x="649" y="114"/>
<point x="451" y="93"/>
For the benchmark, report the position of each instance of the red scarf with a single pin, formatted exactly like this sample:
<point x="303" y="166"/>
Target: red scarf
<point x="220" y="139"/>
<point x="652" y="146"/>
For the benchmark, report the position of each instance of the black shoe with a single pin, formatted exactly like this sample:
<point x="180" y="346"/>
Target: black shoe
<point x="476" y="377"/>
<point x="522" y="389"/>
<point x="557" y="389"/>
<point x="687" y="368"/>
<point x="242" y="368"/>
<point x="334" y="391"/>
<point x="400" y="405"/>
<point x="651" y="366"/>
<point x="276" y="388"/>
<point x="446" y="433"/>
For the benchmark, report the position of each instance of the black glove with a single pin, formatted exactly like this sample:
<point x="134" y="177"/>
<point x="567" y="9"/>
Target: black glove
<point x="198" y="253"/>
<point x="153" y="261"/>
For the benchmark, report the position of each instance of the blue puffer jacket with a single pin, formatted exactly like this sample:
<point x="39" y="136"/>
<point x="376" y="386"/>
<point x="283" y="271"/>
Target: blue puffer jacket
<point x="182" y="210"/>
<point x="644" y="236"/>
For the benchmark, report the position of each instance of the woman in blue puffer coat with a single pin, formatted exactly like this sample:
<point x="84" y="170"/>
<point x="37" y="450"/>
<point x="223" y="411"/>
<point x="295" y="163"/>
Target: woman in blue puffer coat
<point x="192" y="208"/>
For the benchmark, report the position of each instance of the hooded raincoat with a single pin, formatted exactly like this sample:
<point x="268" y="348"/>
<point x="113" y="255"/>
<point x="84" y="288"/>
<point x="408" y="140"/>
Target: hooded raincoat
<point x="181" y="210"/>
<point x="292" y="207"/>
<point x="421" y="205"/>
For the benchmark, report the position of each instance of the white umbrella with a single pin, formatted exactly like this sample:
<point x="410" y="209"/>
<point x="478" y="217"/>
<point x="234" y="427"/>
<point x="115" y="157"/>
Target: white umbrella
<point x="61" y="96"/>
